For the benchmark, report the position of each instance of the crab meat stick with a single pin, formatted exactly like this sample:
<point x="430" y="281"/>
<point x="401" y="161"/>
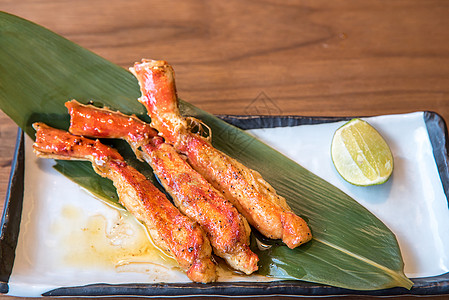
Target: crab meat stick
<point x="245" y="188"/>
<point x="170" y="230"/>
<point x="226" y="228"/>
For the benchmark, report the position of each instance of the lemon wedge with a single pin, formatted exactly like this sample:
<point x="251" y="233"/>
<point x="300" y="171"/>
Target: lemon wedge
<point x="360" y="154"/>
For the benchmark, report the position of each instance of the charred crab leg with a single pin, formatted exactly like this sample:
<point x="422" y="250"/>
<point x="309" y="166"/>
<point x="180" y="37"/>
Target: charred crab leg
<point x="170" y="230"/>
<point x="245" y="188"/>
<point x="226" y="229"/>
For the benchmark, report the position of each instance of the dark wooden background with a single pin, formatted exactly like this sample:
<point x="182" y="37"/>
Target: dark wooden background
<point x="313" y="58"/>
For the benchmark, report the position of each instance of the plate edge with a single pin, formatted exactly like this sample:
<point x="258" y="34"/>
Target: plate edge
<point x="12" y="213"/>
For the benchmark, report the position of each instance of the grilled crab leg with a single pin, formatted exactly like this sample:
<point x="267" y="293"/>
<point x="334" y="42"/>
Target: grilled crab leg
<point x="245" y="188"/>
<point x="170" y="230"/>
<point x="226" y="229"/>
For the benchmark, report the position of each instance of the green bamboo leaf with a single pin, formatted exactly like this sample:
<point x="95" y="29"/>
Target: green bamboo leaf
<point x="351" y="247"/>
<point x="83" y="174"/>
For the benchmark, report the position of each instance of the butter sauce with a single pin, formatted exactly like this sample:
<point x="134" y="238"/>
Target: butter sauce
<point x="97" y="241"/>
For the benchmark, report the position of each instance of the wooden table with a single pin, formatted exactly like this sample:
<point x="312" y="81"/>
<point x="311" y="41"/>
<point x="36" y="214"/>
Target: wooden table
<point x="313" y="58"/>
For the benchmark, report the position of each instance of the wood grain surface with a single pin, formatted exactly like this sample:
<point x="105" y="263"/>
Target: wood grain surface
<point x="314" y="58"/>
